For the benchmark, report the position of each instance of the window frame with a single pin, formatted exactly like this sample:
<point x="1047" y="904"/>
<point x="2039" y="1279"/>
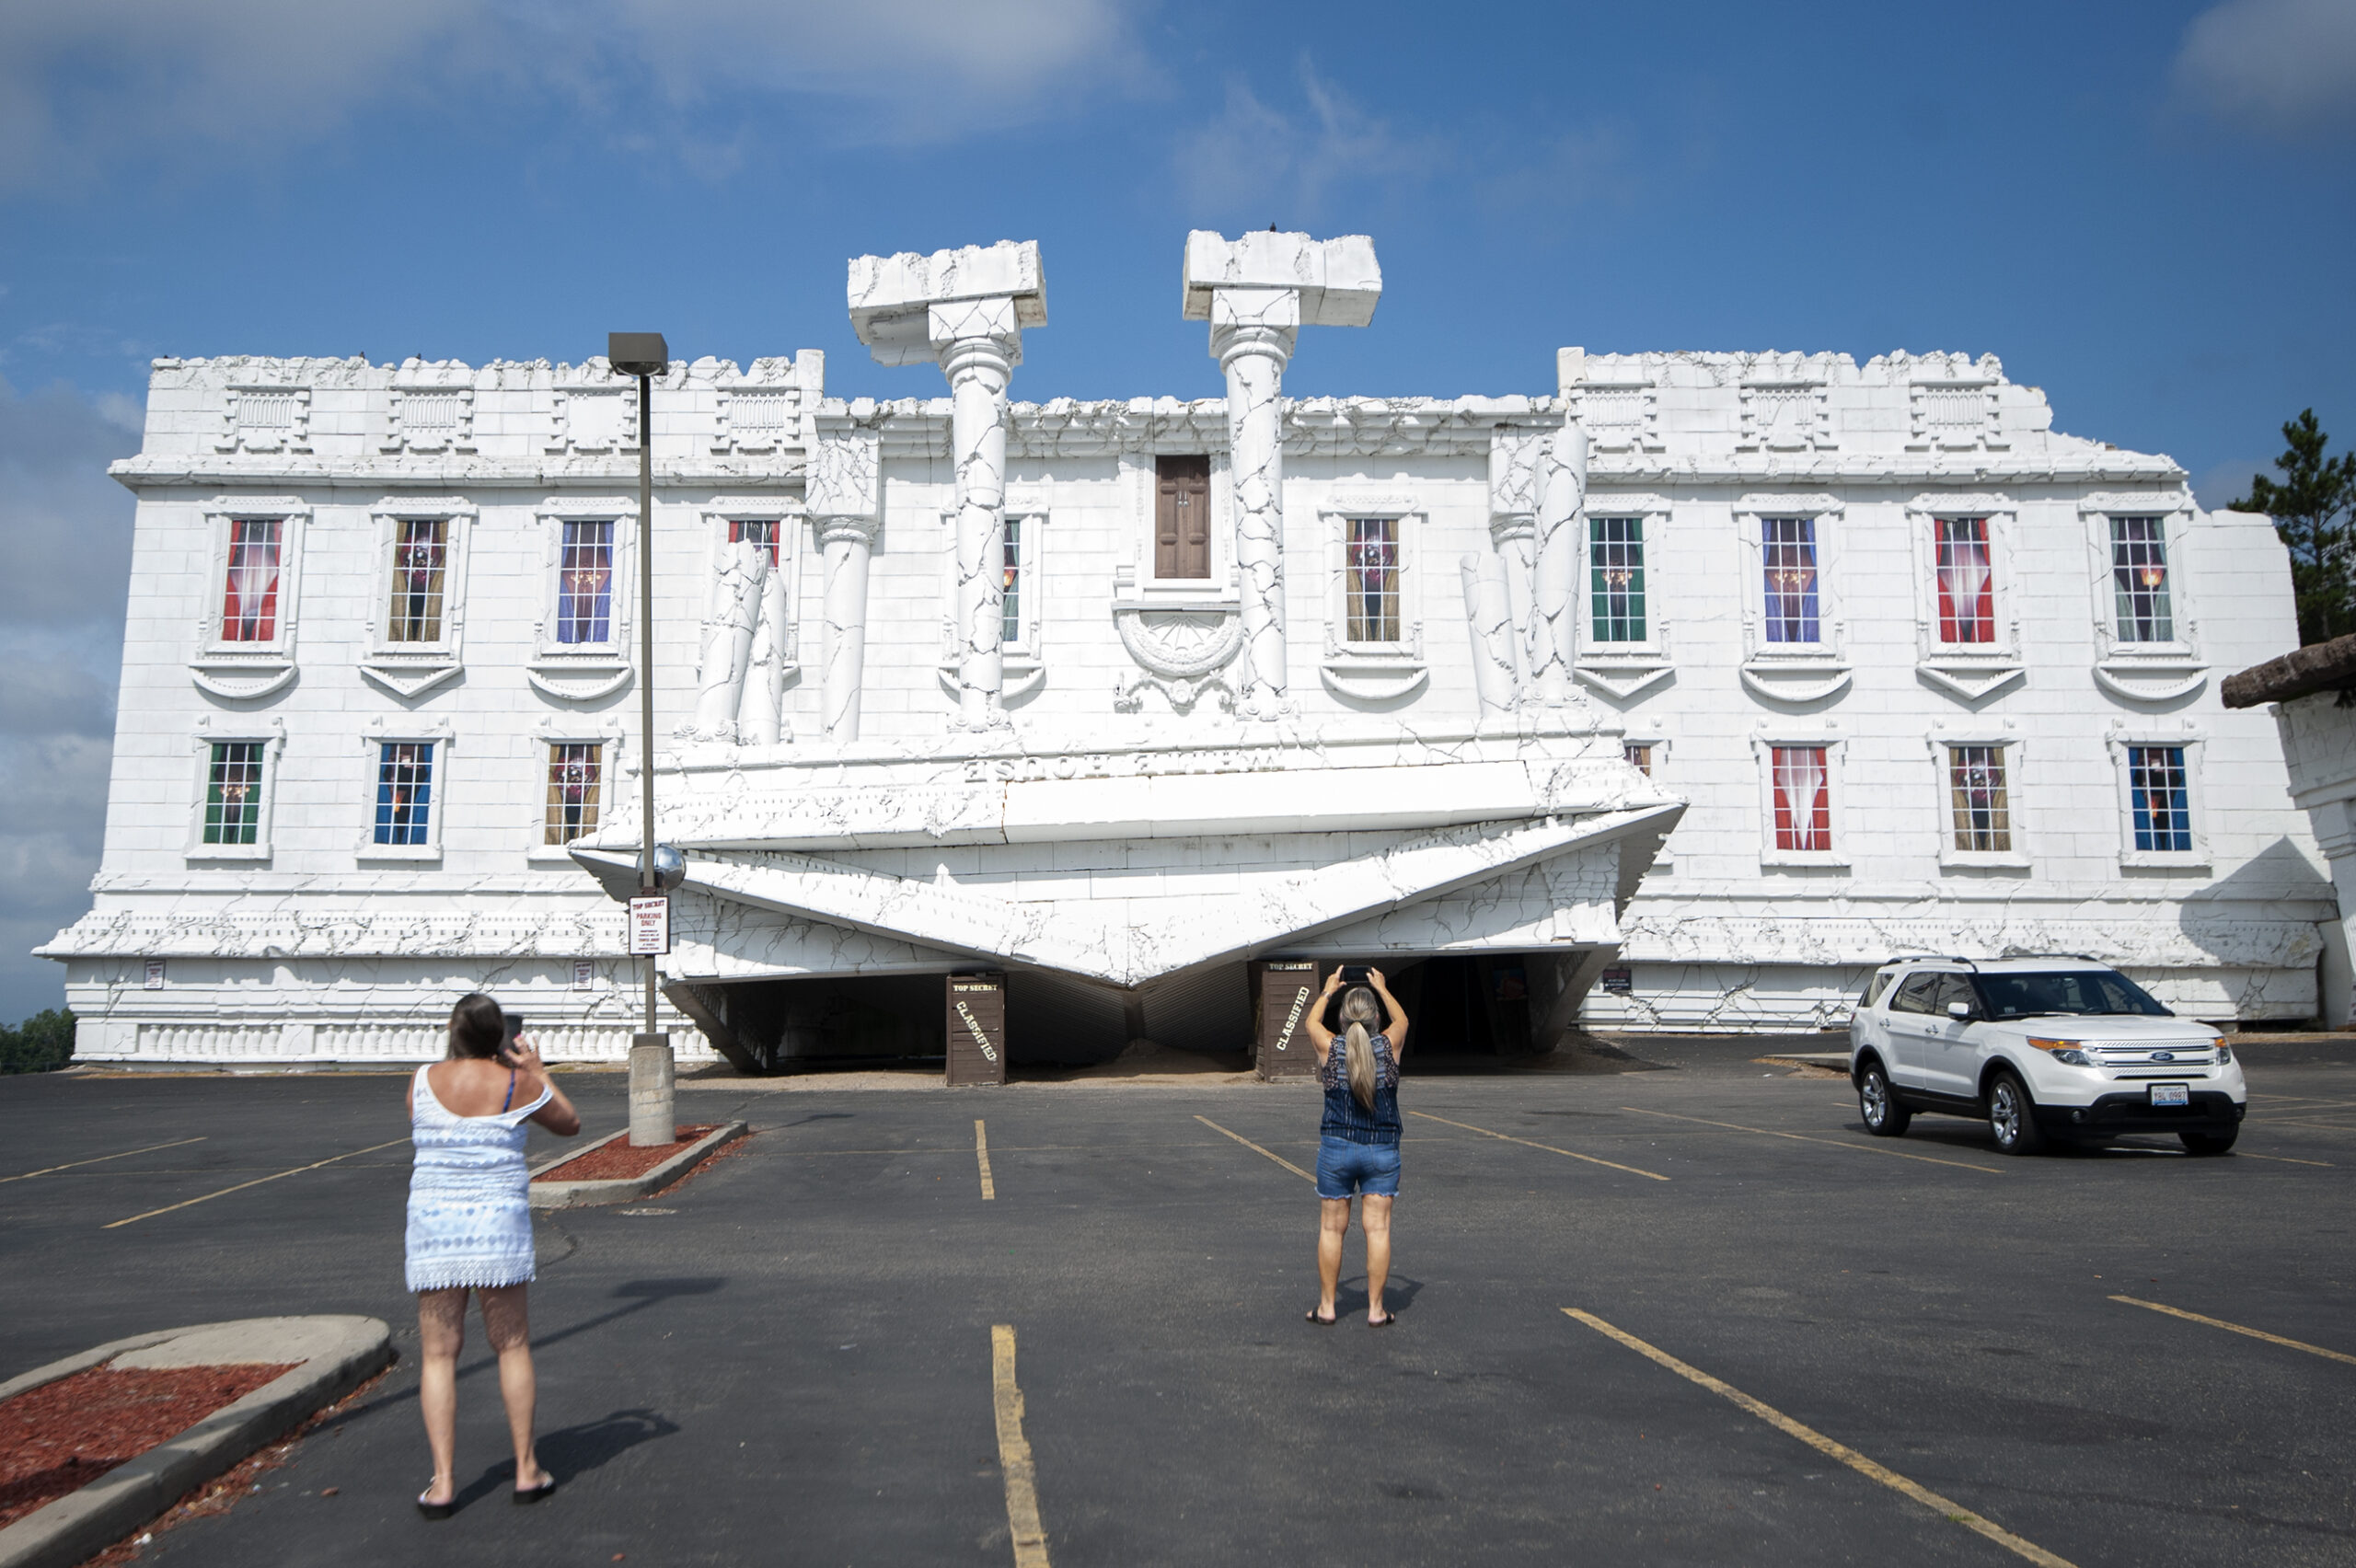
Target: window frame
<point x="1213" y="554"/>
<point x="610" y="735"/>
<point x="1374" y="672"/>
<point x="2121" y="739"/>
<point x="411" y="730"/>
<point x="579" y="671"/>
<point x="213" y="730"/>
<point x="2175" y="511"/>
<point x="409" y="669"/>
<point x="1970" y="671"/>
<point x="221" y="515"/>
<point x="1793" y="671"/>
<point x="1624" y="671"/>
<point x="2007" y="740"/>
<point x="1764" y="742"/>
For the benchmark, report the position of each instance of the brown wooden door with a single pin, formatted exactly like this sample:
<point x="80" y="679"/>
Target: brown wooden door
<point x="1181" y="517"/>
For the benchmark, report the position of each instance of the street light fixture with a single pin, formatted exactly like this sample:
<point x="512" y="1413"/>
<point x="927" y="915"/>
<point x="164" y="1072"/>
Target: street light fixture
<point x="646" y="356"/>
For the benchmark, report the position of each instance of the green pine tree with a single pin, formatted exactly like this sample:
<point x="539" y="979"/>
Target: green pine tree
<point x="2312" y="513"/>
<point x="42" y="1044"/>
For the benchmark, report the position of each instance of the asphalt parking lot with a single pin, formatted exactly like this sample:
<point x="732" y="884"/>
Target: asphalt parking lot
<point x="1795" y="1343"/>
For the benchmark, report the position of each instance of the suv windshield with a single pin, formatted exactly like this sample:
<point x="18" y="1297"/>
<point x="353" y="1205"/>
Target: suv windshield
<point x="2064" y="991"/>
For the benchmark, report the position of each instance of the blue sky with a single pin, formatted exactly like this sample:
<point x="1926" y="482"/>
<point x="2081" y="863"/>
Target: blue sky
<point x="2145" y="209"/>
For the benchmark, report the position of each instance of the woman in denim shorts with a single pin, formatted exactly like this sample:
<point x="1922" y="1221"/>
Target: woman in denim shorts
<point x="1357" y="1149"/>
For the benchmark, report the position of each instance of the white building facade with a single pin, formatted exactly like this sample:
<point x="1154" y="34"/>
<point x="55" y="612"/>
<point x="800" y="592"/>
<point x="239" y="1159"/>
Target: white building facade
<point x="1676" y="700"/>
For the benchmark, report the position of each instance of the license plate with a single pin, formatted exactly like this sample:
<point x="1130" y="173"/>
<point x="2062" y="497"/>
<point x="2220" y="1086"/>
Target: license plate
<point x="2171" y="1094"/>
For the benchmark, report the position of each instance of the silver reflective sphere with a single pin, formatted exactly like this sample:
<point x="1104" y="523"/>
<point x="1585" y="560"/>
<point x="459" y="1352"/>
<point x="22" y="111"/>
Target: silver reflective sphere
<point x="670" y="867"/>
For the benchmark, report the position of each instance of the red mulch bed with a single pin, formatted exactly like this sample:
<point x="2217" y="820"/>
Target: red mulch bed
<point x="618" y="1161"/>
<point x="63" y="1435"/>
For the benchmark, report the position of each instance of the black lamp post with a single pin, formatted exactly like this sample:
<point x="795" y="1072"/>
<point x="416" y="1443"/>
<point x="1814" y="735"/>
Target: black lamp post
<point x="646" y="356"/>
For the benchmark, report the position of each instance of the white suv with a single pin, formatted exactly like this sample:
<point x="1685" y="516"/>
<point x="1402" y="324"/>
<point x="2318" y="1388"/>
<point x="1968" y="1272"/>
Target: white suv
<point x="2062" y="1048"/>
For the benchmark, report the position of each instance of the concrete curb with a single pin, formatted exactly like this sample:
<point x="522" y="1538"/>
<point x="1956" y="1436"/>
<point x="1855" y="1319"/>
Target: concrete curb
<point x="63" y="1533"/>
<point x="584" y="1195"/>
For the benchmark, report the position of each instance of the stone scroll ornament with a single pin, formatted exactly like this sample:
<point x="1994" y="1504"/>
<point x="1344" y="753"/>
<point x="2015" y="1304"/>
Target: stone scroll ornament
<point x="1257" y="292"/>
<point x="964" y="310"/>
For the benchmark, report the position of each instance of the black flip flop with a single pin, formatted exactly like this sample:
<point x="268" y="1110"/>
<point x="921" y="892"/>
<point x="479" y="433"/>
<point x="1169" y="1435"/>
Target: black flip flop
<point x="1323" y="1323"/>
<point x="1384" y="1321"/>
<point x="539" y="1493"/>
<point x="437" y="1510"/>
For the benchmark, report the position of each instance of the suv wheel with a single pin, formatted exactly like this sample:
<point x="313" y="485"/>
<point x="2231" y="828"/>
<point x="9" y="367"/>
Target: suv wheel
<point x="2209" y="1143"/>
<point x="2014" y="1116"/>
<point x="1884" y="1117"/>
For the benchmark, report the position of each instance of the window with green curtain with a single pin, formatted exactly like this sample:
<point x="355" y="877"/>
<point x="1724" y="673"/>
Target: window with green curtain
<point x="1616" y="577"/>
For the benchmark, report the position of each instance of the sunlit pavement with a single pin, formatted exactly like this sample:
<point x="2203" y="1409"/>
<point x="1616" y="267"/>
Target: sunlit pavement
<point x="1686" y="1314"/>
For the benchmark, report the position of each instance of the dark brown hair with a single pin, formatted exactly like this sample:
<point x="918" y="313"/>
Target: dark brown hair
<point x="476" y="1027"/>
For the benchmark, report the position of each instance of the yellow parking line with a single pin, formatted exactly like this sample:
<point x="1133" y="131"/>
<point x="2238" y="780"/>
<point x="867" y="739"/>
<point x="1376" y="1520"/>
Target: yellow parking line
<point x="2310" y="1126"/>
<point x="982" y="1157"/>
<point x="1827" y="1448"/>
<point x="2286" y="1159"/>
<point x="1015" y="1454"/>
<point x="257" y="1182"/>
<point x="1524" y="1143"/>
<point x="2237" y="1328"/>
<point x="101" y="1160"/>
<point x="1255" y="1148"/>
<point x="1836" y="1143"/>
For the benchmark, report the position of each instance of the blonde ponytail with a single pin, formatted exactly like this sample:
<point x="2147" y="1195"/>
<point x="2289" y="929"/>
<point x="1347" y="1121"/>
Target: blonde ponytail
<point x="1359" y="1009"/>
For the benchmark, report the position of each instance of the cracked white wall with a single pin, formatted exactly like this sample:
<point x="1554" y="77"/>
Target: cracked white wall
<point x="304" y="946"/>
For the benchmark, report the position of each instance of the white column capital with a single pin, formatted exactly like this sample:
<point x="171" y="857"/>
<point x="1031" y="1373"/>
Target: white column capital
<point x="911" y="308"/>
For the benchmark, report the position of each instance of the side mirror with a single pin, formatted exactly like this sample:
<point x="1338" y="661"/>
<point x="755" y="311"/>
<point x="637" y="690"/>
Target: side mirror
<point x="1959" y="1012"/>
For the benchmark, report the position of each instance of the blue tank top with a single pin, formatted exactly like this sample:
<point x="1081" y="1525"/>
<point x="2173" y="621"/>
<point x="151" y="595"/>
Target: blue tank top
<point x="1344" y="1117"/>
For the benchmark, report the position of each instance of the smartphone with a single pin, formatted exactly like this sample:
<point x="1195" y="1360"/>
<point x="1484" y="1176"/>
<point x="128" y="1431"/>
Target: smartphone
<point x="515" y="1028"/>
<point x="1354" y="975"/>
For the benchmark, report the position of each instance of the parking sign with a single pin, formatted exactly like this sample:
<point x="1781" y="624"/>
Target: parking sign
<point x="650" y="925"/>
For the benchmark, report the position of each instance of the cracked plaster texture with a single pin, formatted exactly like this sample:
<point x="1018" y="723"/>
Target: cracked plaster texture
<point x="1093" y="823"/>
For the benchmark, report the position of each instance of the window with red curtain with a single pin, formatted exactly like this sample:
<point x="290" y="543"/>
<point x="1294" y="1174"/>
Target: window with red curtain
<point x="1803" y="799"/>
<point x="761" y="531"/>
<point x="1967" y="589"/>
<point x="249" y="596"/>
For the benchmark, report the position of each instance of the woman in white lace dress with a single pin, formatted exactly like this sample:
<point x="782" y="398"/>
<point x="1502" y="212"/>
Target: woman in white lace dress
<point x="470" y="1228"/>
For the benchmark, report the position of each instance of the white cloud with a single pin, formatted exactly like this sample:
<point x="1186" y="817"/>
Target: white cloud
<point x="68" y="528"/>
<point x="2282" y="66"/>
<point x="96" y="82"/>
<point x="1251" y="161"/>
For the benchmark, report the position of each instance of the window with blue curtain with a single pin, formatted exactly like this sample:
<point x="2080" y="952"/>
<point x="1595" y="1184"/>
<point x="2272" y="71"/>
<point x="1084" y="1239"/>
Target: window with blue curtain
<point x="2160" y="799"/>
<point x="404" y="791"/>
<point x="1789" y="553"/>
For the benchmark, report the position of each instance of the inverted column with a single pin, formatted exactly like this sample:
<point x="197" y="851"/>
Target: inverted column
<point x="964" y="310"/>
<point x="1562" y="516"/>
<point x="845" y="512"/>
<point x="1257" y="292"/>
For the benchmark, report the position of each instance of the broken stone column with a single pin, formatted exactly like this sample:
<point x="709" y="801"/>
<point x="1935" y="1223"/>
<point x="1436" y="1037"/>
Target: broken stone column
<point x="1257" y="292"/>
<point x="848" y="542"/>
<point x="965" y="310"/>
<point x="731" y="615"/>
<point x="1562" y="515"/>
<point x="1490" y="611"/>
<point x="760" y="711"/>
<point x="1514" y="454"/>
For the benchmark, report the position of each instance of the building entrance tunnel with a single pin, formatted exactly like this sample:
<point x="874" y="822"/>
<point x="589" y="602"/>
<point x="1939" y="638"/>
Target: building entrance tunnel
<point x="1466" y="1012"/>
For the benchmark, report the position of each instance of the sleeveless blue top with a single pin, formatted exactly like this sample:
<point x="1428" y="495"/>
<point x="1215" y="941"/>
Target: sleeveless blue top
<point x="1344" y="1117"/>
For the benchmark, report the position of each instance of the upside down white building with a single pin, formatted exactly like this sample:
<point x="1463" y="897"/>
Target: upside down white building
<point x="1677" y="699"/>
